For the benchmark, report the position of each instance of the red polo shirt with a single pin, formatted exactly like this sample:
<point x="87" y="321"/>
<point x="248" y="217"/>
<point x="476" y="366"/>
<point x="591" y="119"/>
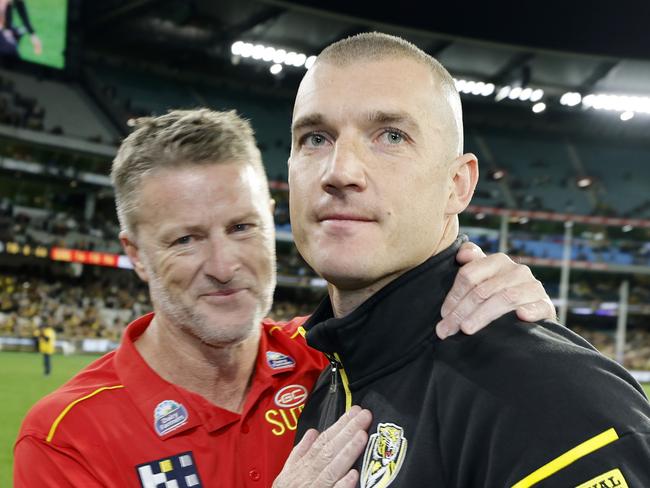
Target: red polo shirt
<point x="117" y="423"/>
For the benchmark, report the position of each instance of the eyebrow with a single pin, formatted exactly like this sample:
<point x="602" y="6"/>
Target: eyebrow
<point x="376" y="116"/>
<point x="307" y="121"/>
<point x="396" y="118"/>
<point x="173" y="230"/>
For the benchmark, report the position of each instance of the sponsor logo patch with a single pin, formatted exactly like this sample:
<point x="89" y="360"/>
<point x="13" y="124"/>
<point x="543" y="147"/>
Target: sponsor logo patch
<point x="291" y="396"/>
<point x="384" y="456"/>
<point x="611" y="479"/>
<point x="177" y="471"/>
<point x="169" y="415"/>
<point x="277" y="360"/>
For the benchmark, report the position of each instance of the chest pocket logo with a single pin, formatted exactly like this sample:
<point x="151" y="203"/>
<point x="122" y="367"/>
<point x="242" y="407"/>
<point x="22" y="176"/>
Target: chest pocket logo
<point x="384" y="456"/>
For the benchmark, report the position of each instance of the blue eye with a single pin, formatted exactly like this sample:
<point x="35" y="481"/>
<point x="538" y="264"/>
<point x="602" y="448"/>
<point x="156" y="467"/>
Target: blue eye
<point x="241" y="227"/>
<point x="313" y="139"/>
<point x="393" y="136"/>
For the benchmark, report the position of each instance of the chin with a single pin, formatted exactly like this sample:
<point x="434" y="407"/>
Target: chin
<point x="224" y="329"/>
<point x="347" y="277"/>
<point x="224" y="337"/>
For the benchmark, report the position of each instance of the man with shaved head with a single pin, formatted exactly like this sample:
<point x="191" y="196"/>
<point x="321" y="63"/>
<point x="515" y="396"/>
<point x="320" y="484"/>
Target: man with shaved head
<point x="377" y="156"/>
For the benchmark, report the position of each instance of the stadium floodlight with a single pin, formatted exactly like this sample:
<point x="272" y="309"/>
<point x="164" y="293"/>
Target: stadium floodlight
<point x="269" y="52"/>
<point x="470" y="87"/>
<point x="478" y="88"/>
<point x="299" y="60"/>
<point x="539" y="107"/>
<point x="488" y="89"/>
<point x="526" y="93"/>
<point x="291" y="58"/>
<point x="570" y="99"/>
<point x="496" y="174"/>
<point x="275" y="69"/>
<point x="258" y="51"/>
<point x="310" y="62"/>
<point x="246" y="50"/>
<point x="514" y="93"/>
<point x="504" y="91"/>
<point x="627" y="115"/>
<point x="617" y="103"/>
<point x="236" y="48"/>
<point x="537" y="95"/>
<point x="584" y="182"/>
<point x="279" y="56"/>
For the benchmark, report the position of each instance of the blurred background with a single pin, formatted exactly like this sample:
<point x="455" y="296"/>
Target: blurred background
<point x="556" y="106"/>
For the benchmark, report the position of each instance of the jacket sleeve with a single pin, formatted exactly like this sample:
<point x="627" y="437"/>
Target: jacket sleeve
<point x="38" y="464"/>
<point x="605" y="460"/>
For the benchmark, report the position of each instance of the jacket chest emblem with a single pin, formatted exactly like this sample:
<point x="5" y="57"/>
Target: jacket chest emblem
<point x="384" y="456"/>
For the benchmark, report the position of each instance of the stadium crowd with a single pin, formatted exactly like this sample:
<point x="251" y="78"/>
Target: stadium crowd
<point x="89" y="308"/>
<point x="92" y="307"/>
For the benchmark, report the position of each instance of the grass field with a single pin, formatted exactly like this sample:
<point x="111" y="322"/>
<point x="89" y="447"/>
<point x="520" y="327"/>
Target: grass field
<point x="49" y="19"/>
<point x="22" y="383"/>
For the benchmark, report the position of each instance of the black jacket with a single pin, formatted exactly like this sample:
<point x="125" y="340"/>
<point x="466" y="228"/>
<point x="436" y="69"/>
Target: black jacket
<point x="517" y="404"/>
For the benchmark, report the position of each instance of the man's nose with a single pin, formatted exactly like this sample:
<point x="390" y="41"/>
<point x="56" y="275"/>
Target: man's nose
<point x="345" y="170"/>
<point x="222" y="260"/>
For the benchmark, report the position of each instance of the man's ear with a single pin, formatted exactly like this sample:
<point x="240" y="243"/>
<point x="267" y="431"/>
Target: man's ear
<point x="464" y="173"/>
<point x="133" y="252"/>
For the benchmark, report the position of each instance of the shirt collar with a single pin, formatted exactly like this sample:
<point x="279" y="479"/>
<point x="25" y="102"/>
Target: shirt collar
<point x="392" y="325"/>
<point x="152" y="393"/>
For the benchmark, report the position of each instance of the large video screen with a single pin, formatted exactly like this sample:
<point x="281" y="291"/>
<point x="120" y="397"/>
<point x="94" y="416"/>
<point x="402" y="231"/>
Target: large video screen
<point x="34" y="31"/>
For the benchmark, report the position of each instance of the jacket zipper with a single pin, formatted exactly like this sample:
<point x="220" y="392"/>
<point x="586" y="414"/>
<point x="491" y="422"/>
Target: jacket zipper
<point x="337" y="371"/>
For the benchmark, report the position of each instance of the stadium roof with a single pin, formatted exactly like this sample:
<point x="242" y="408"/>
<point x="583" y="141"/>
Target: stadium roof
<point x="563" y="48"/>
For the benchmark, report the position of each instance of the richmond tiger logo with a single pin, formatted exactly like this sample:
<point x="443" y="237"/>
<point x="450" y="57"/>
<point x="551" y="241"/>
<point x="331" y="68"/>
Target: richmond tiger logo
<point x="384" y="456"/>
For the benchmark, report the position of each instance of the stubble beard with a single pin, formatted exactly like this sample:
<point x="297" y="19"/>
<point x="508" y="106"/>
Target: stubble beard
<point x="197" y="324"/>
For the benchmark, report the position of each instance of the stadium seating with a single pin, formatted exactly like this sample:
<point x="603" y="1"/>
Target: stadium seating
<point x="54" y="107"/>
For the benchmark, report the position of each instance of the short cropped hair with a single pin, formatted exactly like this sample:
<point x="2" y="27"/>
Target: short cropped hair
<point x="177" y="139"/>
<point x="376" y="46"/>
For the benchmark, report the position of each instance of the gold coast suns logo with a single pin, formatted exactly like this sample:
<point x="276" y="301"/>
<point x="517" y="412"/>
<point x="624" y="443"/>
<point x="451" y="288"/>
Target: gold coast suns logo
<point x="384" y="455"/>
<point x="290" y="401"/>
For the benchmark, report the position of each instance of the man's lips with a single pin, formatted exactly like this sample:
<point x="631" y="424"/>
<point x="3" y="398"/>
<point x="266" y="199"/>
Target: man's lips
<point x="344" y="217"/>
<point x="223" y="293"/>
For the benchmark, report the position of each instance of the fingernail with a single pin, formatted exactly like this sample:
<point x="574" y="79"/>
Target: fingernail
<point x="442" y="330"/>
<point x="354" y="411"/>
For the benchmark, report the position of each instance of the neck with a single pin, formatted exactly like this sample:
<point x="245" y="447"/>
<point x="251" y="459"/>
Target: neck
<point x="221" y="374"/>
<point x="345" y="301"/>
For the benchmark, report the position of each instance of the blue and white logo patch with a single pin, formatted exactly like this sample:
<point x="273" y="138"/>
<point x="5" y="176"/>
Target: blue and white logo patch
<point x="277" y="360"/>
<point x="168" y="416"/>
<point x="177" y="471"/>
